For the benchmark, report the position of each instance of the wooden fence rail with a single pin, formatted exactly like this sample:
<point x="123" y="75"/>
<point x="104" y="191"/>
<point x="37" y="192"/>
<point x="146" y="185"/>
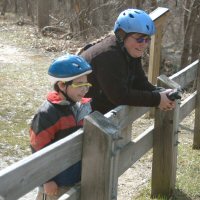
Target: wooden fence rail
<point x="107" y="151"/>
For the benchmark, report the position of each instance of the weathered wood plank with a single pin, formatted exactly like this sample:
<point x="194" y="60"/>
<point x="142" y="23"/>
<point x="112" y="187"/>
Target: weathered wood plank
<point x="154" y="60"/>
<point x="98" y="169"/>
<point x="122" y="116"/>
<point x="134" y="150"/>
<point x="187" y="106"/>
<point x="165" y="151"/>
<point x="72" y="194"/>
<point x="159" y="17"/>
<point x="158" y="13"/>
<point x="196" y="139"/>
<point x="23" y="176"/>
<point x="186" y="75"/>
<point x="167" y="82"/>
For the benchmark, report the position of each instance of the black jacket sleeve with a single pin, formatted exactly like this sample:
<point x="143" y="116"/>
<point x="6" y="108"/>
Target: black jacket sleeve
<point x="113" y="79"/>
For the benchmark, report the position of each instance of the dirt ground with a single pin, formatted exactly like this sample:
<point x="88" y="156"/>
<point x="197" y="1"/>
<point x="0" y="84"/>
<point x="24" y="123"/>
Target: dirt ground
<point x="136" y="177"/>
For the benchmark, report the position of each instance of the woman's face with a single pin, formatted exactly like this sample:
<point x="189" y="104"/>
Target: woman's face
<point x="136" y="44"/>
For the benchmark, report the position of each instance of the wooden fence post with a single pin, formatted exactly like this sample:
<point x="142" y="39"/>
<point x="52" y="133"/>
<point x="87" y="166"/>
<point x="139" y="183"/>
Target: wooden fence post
<point x="126" y="132"/>
<point x="159" y="17"/>
<point x="99" y="167"/>
<point x="165" y="142"/>
<point x="196" y="139"/>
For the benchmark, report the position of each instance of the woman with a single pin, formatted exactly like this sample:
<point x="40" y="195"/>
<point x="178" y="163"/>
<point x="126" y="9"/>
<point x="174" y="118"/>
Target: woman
<point x="118" y="77"/>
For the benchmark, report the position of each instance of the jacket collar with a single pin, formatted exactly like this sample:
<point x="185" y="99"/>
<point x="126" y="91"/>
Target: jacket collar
<point x="55" y="98"/>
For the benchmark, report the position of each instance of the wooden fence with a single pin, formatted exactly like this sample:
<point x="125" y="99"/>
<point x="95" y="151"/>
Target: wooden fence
<point x="107" y="151"/>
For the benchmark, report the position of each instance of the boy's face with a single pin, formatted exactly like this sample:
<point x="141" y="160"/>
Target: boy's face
<point x="78" y="89"/>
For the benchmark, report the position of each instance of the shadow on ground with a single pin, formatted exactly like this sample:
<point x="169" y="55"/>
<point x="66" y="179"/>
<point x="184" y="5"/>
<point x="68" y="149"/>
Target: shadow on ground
<point x="179" y="194"/>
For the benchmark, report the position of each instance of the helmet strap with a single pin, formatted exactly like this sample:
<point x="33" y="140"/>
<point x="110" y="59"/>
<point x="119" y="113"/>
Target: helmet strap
<point x="121" y="35"/>
<point x="67" y="98"/>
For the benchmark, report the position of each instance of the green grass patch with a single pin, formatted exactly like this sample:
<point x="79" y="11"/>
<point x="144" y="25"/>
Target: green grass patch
<point x="23" y="88"/>
<point x="188" y="174"/>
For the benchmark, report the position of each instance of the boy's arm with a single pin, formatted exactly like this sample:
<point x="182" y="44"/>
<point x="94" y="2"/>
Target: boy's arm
<point x="42" y="131"/>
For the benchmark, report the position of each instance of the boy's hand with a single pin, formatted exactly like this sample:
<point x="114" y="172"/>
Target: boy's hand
<point x="51" y="188"/>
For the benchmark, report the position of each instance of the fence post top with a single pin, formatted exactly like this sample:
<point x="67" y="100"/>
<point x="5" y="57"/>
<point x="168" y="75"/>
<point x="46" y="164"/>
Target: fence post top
<point x="163" y="79"/>
<point x="101" y="122"/>
<point x="158" y="12"/>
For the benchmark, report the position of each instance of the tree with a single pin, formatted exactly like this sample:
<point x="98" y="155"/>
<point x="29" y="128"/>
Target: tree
<point x="191" y="33"/>
<point x="196" y="38"/>
<point x="43" y="13"/>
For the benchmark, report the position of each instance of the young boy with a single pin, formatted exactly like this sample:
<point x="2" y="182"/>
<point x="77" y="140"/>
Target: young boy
<point x="60" y="115"/>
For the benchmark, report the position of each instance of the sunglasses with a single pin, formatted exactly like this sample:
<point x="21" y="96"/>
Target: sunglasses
<point x="141" y="40"/>
<point x="80" y="85"/>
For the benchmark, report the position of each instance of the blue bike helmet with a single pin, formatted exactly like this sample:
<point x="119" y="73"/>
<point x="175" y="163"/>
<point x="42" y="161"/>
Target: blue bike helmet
<point x="135" y="21"/>
<point x="67" y="68"/>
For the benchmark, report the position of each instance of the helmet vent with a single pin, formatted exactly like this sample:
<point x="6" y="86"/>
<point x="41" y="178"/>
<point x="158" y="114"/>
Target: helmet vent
<point x="75" y="65"/>
<point x="135" y="21"/>
<point x="79" y="59"/>
<point x="131" y="16"/>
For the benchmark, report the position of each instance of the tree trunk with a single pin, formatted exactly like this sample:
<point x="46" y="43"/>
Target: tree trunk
<point x="154" y="4"/>
<point x="131" y="3"/>
<point x="5" y="3"/>
<point x="186" y="13"/>
<point x="196" y="39"/>
<point x="16" y="6"/>
<point x="187" y="35"/>
<point x="139" y="3"/>
<point x="43" y="13"/>
<point x="80" y="19"/>
<point x="29" y="8"/>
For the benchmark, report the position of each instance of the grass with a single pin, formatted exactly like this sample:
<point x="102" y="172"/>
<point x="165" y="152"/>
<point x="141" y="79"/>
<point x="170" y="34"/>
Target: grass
<point x="188" y="174"/>
<point x="24" y="84"/>
<point x="19" y="98"/>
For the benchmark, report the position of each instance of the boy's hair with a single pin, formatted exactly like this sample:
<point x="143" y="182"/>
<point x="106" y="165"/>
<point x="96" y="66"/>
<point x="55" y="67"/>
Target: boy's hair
<point x="56" y="87"/>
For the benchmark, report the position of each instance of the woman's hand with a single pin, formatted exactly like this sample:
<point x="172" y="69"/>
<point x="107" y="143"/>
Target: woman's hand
<point x="165" y="103"/>
<point x="51" y="188"/>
